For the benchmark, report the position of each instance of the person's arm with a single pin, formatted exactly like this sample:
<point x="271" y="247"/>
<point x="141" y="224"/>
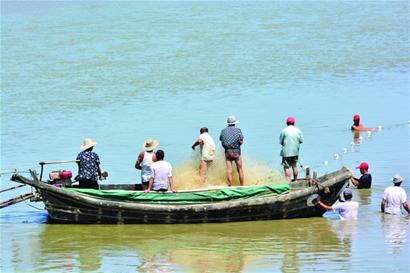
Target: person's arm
<point x="323" y="205"/>
<point x="355" y="181"/>
<point x="151" y="181"/>
<point x="139" y="161"/>
<point x="171" y="184"/>
<point x="383" y="205"/>
<point x="406" y="207"/>
<point x="99" y="172"/>
<point x="198" y="142"/>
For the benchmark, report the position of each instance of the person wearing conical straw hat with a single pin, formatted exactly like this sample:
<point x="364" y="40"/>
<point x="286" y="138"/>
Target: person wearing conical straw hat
<point x="89" y="170"/>
<point x="145" y="160"/>
<point x="394" y="198"/>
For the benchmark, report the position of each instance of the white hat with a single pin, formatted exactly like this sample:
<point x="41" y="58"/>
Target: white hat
<point x="88" y="143"/>
<point x="397" y="179"/>
<point x="231" y="120"/>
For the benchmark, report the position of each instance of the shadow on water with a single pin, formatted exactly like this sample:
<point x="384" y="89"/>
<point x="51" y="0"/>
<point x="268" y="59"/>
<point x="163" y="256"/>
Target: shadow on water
<point x="234" y="247"/>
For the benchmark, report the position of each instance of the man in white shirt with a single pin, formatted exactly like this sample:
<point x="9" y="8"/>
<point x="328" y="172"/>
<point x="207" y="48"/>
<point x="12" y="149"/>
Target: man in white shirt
<point x="207" y="145"/>
<point x="161" y="178"/>
<point x="347" y="210"/>
<point x="394" y="198"/>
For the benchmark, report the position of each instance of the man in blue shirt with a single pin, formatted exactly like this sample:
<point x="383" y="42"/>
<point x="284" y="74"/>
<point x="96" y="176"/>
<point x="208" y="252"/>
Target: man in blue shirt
<point x="365" y="181"/>
<point x="231" y="139"/>
<point x="290" y="139"/>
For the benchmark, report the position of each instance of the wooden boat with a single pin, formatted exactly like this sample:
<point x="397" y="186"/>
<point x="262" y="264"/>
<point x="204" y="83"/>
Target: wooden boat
<point x="67" y="205"/>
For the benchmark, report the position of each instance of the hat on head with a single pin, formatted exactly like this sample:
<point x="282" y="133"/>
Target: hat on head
<point x="347" y="194"/>
<point x="231" y="120"/>
<point x="356" y="117"/>
<point x="363" y="165"/>
<point x="150" y="144"/>
<point x="88" y="143"/>
<point x="290" y="120"/>
<point x="397" y="179"/>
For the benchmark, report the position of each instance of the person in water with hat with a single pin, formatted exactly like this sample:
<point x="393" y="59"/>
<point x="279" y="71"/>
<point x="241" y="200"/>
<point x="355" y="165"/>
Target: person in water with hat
<point x="346" y="210"/>
<point x="394" y="198"/>
<point x="207" y="145"/>
<point x="145" y="160"/>
<point x="89" y="170"/>
<point x="365" y="181"/>
<point x="357" y="126"/>
<point x="290" y="138"/>
<point x="231" y="139"/>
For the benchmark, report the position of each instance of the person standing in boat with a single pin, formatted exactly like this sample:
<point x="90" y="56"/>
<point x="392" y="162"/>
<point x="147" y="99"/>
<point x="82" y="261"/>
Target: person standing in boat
<point x="89" y="170"/>
<point x="207" y="146"/>
<point x="290" y="138"/>
<point x="231" y="139"/>
<point x="161" y="179"/>
<point x="394" y="198"/>
<point x="346" y="210"/>
<point x="145" y="160"/>
<point x="365" y="181"/>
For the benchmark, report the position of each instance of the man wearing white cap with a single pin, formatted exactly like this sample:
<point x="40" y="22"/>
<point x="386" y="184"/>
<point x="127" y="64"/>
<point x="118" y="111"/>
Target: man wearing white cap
<point x="394" y="198"/>
<point x="231" y="139"/>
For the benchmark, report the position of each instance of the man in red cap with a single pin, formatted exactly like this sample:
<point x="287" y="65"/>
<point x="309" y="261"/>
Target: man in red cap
<point x="290" y="139"/>
<point x="365" y="181"/>
<point x="357" y="126"/>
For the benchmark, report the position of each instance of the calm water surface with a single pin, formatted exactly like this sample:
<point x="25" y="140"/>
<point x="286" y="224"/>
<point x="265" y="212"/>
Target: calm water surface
<point x="120" y="72"/>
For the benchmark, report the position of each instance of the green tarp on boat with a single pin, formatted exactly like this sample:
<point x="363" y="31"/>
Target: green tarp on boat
<point x="188" y="197"/>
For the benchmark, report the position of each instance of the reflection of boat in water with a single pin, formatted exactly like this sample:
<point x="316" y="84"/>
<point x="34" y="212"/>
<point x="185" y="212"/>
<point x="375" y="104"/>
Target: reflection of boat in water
<point x="213" y="205"/>
<point x="231" y="247"/>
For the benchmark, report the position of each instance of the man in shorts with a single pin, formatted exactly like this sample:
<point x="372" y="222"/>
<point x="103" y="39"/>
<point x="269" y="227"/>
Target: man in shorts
<point x="207" y="145"/>
<point x="290" y="139"/>
<point x="231" y="139"/>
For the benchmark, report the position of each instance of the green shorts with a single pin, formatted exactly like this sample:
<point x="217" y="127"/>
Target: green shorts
<point x="287" y="162"/>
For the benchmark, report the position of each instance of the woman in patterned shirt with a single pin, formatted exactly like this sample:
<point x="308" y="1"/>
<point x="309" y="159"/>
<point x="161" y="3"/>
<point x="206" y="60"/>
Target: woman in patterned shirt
<point x="89" y="170"/>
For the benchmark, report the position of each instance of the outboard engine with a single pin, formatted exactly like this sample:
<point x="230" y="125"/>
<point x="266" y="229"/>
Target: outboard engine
<point x="61" y="178"/>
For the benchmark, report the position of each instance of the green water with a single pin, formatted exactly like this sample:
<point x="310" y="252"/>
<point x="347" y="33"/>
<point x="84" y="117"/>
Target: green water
<point x="121" y="72"/>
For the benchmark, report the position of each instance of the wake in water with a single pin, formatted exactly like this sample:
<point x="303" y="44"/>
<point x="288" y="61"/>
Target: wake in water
<point x="186" y="174"/>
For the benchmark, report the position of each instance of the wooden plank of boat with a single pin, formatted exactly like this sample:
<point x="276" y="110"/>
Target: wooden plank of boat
<point x="72" y="207"/>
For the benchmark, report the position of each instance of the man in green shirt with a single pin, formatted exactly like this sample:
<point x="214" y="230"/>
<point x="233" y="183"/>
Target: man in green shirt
<point x="290" y="139"/>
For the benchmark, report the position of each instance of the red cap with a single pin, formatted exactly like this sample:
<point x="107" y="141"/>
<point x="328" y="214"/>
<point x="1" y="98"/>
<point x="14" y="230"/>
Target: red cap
<point x="290" y="120"/>
<point x="363" y="165"/>
<point x="356" y="117"/>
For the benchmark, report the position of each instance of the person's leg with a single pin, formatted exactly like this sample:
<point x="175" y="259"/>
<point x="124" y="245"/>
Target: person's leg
<point x="295" y="171"/>
<point x="229" y="171"/>
<point x="238" y="162"/>
<point x="286" y="168"/>
<point x="203" y="166"/>
<point x="287" y="172"/>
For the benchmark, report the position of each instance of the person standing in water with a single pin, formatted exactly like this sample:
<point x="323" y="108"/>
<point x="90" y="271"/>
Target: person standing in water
<point x="357" y="126"/>
<point x="145" y="160"/>
<point x="394" y="198"/>
<point x="231" y="139"/>
<point x="290" y="138"/>
<point x="207" y="145"/>
<point x="347" y="210"/>
<point x="89" y="170"/>
<point x="365" y="181"/>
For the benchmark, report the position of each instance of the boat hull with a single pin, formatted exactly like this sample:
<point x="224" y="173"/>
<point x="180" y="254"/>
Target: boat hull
<point x="69" y="207"/>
